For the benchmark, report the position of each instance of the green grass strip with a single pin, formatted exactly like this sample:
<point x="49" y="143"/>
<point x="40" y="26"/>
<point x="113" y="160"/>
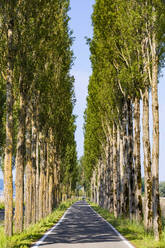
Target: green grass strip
<point x="132" y="231"/>
<point x="2" y="205"/>
<point x="36" y="231"/>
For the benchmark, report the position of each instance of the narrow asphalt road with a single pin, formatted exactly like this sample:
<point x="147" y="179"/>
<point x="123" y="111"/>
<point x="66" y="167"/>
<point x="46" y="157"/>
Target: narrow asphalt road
<point x="82" y="227"/>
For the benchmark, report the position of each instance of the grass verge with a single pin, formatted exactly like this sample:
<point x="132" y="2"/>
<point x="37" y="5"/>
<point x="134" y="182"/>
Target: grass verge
<point x="34" y="232"/>
<point x="132" y="231"/>
<point x="2" y="205"/>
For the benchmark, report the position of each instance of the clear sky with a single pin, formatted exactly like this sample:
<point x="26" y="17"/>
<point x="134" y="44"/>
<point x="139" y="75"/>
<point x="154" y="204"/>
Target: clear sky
<point x="80" y="23"/>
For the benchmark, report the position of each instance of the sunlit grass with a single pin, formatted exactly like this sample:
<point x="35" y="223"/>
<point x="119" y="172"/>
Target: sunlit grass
<point x="34" y="232"/>
<point x="2" y="205"/>
<point x="132" y="231"/>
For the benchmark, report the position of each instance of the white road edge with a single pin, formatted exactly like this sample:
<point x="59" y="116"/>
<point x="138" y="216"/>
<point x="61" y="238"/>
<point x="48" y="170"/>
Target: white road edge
<point x="38" y="243"/>
<point x="118" y="234"/>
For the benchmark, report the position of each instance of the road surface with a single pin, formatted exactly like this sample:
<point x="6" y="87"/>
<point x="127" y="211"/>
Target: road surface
<point x="81" y="227"/>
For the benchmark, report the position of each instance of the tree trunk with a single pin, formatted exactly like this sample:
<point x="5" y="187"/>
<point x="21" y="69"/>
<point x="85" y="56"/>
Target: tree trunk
<point x="108" y="172"/>
<point x="115" y="179"/>
<point x="121" y="170"/>
<point x="28" y="199"/>
<point x="34" y="141"/>
<point x="130" y="163"/>
<point x="20" y="154"/>
<point x="45" y="181"/>
<point x="98" y="184"/>
<point x="51" y="189"/>
<point x="55" y="177"/>
<point x="147" y="163"/>
<point x="47" y="178"/>
<point x="37" y="178"/>
<point x="111" y="179"/>
<point x="8" y="189"/>
<point x="137" y="162"/>
<point x="118" y="170"/>
<point x="155" y="145"/>
<point x="41" y="183"/>
<point x="125" y="165"/>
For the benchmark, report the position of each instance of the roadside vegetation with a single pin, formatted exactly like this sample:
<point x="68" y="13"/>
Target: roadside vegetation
<point x="132" y="230"/>
<point x="34" y="232"/>
<point x="2" y="205"/>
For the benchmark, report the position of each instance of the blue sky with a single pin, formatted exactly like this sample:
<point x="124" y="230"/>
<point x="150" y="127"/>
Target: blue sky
<point x="80" y="23"/>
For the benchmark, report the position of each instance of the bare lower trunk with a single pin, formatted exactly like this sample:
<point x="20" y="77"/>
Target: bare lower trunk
<point x="121" y="171"/>
<point x="98" y="184"/>
<point x="47" y="180"/>
<point x="34" y="141"/>
<point x="111" y="172"/>
<point x="41" y="184"/>
<point x="28" y="193"/>
<point x="125" y="165"/>
<point x="51" y="190"/>
<point x="118" y="170"/>
<point x="108" y="173"/>
<point x="115" y="179"/>
<point x="155" y="146"/>
<point x="37" y="178"/>
<point x="8" y="161"/>
<point x="9" y="130"/>
<point x="147" y="163"/>
<point x="137" y="162"/>
<point x="130" y="163"/>
<point x="20" y="154"/>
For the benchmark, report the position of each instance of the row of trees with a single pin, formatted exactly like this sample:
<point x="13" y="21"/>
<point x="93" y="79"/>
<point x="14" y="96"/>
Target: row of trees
<point x="127" y="53"/>
<point x="37" y="99"/>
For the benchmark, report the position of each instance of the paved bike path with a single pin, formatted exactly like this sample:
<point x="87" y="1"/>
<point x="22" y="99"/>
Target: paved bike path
<point x="82" y="227"/>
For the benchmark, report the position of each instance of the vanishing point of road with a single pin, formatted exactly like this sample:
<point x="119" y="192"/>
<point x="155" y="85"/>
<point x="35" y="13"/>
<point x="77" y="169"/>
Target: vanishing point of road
<point x="82" y="227"/>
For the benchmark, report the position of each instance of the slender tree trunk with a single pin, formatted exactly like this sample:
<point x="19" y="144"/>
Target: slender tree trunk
<point x="155" y="146"/>
<point x="37" y="178"/>
<point x="34" y="141"/>
<point x="108" y="172"/>
<point x="125" y="165"/>
<point x="9" y="134"/>
<point x="20" y="154"/>
<point x="130" y="163"/>
<point x="147" y="163"/>
<point x="98" y="184"/>
<point x="111" y="172"/>
<point x="28" y="200"/>
<point x="121" y="171"/>
<point x="55" y="176"/>
<point x="138" y="182"/>
<point x="47" y="179"/>
<point x="115" y="179"/>
<point x="92" y="190"/>
<point x="118" y="170"/>
<point x="41" y="183"/>
<point x="95" y="193"/>
<point x="51" y="187"/>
